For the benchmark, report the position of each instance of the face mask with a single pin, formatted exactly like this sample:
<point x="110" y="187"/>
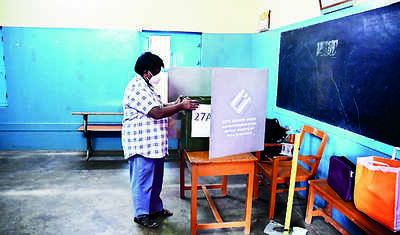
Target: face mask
<point x="154" y="80"/>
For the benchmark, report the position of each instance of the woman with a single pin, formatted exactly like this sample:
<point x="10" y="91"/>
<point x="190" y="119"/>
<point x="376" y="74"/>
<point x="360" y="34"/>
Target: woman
<point x="145" y="140"/>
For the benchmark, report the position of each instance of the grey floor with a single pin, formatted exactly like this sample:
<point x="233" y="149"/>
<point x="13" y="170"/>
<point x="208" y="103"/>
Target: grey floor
<point x="59" y="193"/>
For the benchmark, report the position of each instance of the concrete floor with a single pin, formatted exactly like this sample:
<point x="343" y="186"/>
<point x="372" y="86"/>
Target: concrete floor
<point x="59" y="193"/>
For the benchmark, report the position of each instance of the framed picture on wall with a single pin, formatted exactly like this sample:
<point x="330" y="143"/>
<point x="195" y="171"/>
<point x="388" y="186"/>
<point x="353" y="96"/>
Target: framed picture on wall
<point x="327" y="6"/>
<point x="264" y="21"/>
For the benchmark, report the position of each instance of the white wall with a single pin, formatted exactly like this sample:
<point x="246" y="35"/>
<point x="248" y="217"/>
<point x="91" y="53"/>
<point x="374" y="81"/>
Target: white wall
<point x="209" y="16"/>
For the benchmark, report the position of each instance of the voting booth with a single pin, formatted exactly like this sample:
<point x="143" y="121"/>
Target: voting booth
<point x="231" y="116"/>
<point x="238" y="111"/>
<point x="218" y="137"/>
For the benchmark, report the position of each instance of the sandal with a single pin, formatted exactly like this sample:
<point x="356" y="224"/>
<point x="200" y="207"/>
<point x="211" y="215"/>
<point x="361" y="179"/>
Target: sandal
<point x="162" y="213"/>
<point x="146" y="221"/>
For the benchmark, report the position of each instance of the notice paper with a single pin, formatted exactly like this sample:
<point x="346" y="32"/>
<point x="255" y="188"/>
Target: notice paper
<point x="201" y="118"/>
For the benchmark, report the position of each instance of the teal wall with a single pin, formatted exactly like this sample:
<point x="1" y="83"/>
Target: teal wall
<point x="266" y="48"/>
<point x="227" y="50"/>
<point x="52" y="72"/>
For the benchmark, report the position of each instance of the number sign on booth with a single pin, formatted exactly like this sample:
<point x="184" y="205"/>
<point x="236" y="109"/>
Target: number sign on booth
<point x="201" y="121"/>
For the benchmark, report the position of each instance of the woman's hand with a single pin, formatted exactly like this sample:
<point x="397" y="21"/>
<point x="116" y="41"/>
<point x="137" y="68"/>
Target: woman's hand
<point x="189" y="104"/>
<point x="170" y="109"/>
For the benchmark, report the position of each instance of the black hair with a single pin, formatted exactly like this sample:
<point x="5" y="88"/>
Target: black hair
<point x="148" y="62"/>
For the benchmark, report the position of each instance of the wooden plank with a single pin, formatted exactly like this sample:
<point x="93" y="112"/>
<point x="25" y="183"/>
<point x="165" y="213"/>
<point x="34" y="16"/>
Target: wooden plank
<point x="212" y="205"/>
<point x="201" y="157"/>
<point x="94" y="113"/>
<point x="221" y="225"/>
<point x="208" y="186"/>
<point x="229" y="168"/>
<point x="116" y="127"/>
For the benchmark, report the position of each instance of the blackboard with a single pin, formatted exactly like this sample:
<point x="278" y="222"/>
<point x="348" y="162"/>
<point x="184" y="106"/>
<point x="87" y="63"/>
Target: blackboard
<point x="346" y="72"/>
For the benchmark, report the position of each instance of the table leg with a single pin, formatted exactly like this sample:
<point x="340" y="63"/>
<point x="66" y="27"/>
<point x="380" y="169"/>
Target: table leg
<point x="310" y="205"/>
<point x="89" y="149"/>
<point x="224" y="181"/>
<point x="181" y="174"/>
<point x="193" y="218"/>
<point x="255" y="194"/>
<point x="249" y="197"/>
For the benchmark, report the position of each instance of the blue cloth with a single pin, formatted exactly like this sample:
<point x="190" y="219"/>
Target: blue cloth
<point x="146" y="177"/>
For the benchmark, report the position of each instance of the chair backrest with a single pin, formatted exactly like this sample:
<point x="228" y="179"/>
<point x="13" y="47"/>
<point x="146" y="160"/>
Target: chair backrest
<point x="315" y="157"/>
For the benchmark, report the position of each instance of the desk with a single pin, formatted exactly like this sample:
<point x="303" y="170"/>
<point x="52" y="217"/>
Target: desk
<point x="200" y="165"/>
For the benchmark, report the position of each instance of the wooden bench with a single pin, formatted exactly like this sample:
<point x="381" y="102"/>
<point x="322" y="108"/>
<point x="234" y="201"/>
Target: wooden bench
<point x="87" y="128"/>
<point x="321" y="187"/>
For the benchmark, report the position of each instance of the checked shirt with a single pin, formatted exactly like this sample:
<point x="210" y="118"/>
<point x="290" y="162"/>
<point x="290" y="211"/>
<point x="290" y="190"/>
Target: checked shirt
<point x="142" y="134"/>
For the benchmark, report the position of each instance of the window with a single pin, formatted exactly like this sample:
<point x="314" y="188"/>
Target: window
<point x="3" y="88"/>
<point x="160" y="45"/>
<point x="175" y="49"/>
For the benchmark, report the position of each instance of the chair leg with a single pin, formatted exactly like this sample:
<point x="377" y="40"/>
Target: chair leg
<point x="274" y="184"/>
<point x="272" y="199"/>
<point x="310" y="206"/>
<point x="307" y="190"/>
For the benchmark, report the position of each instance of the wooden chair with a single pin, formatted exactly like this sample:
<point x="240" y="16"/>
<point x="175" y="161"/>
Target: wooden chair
<point x="277" y="170"/>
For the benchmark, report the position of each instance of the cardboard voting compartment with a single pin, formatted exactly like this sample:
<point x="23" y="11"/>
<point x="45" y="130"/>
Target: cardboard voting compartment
<point x="238" y="110"/>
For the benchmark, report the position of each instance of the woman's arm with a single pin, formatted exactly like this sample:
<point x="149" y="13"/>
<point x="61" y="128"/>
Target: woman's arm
<point x="159" y="112"/>
<point x="177" y="101"/>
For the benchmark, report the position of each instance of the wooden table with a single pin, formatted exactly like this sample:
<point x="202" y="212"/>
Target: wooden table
<point x="200" y="165"/>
